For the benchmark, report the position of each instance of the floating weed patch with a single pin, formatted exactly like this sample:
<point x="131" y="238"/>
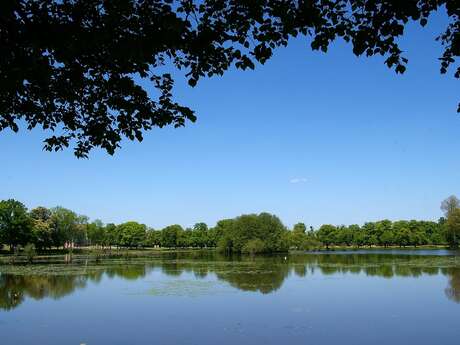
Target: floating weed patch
<point x="188" y="288"/>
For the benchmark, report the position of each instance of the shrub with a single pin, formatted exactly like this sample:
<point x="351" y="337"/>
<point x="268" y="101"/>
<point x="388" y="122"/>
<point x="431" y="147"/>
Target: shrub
<point x="30" y="252"/>
<point x="224" y="245"/>
<point x="254" y="246"/>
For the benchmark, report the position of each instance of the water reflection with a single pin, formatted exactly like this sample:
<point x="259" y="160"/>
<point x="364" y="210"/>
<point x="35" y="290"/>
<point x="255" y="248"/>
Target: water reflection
<point x="14" y="288"/>
<point x="453" y="289"/>
<point x="260" y="274"/>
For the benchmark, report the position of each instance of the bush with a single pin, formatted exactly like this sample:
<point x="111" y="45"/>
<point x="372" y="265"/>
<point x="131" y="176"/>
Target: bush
<point x="311" y="244"/>
<point x="254" y="247"/>
<point x="224" y="245"/>
<point x="30" y="252"/>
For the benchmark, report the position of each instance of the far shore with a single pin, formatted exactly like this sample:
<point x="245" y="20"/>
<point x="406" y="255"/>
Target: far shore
<point x="97" y="253"/>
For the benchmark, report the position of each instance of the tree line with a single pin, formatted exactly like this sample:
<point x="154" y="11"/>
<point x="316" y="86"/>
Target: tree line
<point x="58" y="227"/>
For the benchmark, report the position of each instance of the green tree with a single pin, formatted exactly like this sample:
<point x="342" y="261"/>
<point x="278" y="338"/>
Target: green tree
<point x="64" y="226"/>
<point x="453" y="228"/>
<point x="170" y="236"/>
<point x="264" y="227"/>
<point x="96" y="233"/>
<point x="41" y="213"/>
<point x="344" y="235"/>
<point x="402" y="236"/>
<point x="15" y="223"/>
<point x="370" y="234"/>
<point x="217" y="234"/>
<point x="153" y="238"/>
<point x="327" y="234"/>
<point x="42" y="234"/>
<point x="199" y="237"/>
<point x="381" y="227"/>
<point x="41" y="227"/>
<point x="358" y="236"/>
<point x="132" y="234"/>
<point x="387" y="238"/>
<point x="297" y="237"/>
<point x="111" y="235"/>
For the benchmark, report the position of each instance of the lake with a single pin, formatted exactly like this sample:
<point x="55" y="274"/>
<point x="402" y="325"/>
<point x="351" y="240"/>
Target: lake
<point x="200" y="297"/>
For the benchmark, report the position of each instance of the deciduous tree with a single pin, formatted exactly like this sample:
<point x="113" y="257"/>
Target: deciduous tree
<point x="15" y="223"/>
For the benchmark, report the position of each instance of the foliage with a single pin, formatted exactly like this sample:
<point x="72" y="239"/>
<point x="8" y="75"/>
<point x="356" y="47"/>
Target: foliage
<point x="264" y="227"/>
<point x="297" y="236"/>
<point x="199" y="235"/>
<point x="254" y="247"/>
<point x="86" y="83"/>
<point x="153" y="238"/>
<point x="110" y="234"/>
<point x="96" y="233"/>
<point x="170" y="236"/>
<point x="64" y="226"/>
<point x="15" y="223"/>
<point x="327" y="234"/>
<point x="41" y="213"/>
<point x="131" y="234"/>
<point x="42" y="235"/>
<point x="453" y="228"/>
<point x="56" y="227"/>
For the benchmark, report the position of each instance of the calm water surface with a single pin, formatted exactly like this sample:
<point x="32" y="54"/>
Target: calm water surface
<point x="202" y="298"/>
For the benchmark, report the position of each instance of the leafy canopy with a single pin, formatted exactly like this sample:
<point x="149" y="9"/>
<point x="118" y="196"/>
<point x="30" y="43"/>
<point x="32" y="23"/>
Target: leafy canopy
<point x="77" y="67"/>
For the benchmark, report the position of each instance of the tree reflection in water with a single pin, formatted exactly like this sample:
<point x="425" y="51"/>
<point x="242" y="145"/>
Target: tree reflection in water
<point x="258" y="274"/>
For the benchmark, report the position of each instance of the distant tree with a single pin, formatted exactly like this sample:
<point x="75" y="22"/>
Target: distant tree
<point x="78" y="68"/>
<point x="132" y="234"/>
<point x="264" y="227"/>
<point x="199" y="235"/>
<point x="170" y="236"/>
<point x="453" y="228"/>
<point x="153" y="238"/>
<point x="299" y="228"/>
<point x="41" y="213"/>
<point x="433" y="231"/>
<point x="217" y="234"/>
<point x="380" y="228"/>
<point x="402" y="237"/>
<point x="15" y="223"/>
<point x="64" y="226"/>
<point x="111" y="235"/>
<point x="327" y="234"/>
<point x="42" y="234"/>
<point x="96" y="233"/>
<point x="449" y="205"/>
<point x="41" y="228"/>
<point x="387" y="238"/>
<point x="370" y="234"/>
<point x="297" y="237"/>
<point x="80" y="235"/>
<point x="358" y="236"/>
<point x="344" y="235"/>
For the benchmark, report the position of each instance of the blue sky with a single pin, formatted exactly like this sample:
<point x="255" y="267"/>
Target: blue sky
<point x="312" y="137"/>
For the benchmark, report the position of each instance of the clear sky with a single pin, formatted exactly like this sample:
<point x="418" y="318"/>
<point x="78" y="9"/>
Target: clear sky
<point x="312" y="137"/>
